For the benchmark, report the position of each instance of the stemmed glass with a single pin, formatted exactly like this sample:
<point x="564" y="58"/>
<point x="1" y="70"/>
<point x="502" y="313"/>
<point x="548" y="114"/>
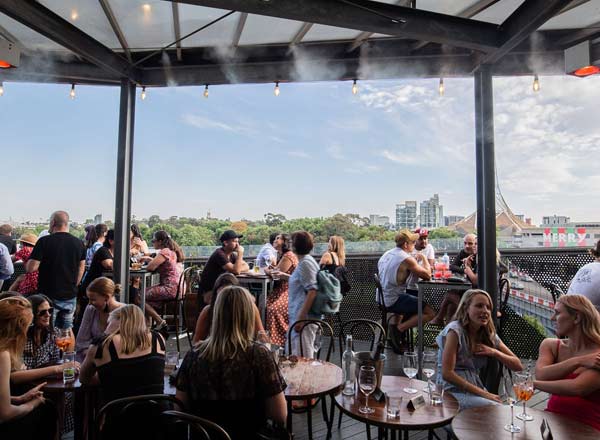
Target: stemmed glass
<point x="429" y="367"/>
<point x="317" y="343"/>
<point x="510" y="398"/>
<point x="63" y="340"/>
<point x="524" y="389"/>
<point x="367" y="381"/>
<point x="410" y="367"/>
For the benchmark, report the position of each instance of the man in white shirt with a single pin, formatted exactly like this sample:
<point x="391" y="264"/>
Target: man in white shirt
<point x="423" y="246"/>
<point x="268" y="254"/>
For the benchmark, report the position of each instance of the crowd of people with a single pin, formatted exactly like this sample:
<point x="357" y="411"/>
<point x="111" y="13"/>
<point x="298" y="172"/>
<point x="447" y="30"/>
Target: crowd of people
<point x="226" y="368"/>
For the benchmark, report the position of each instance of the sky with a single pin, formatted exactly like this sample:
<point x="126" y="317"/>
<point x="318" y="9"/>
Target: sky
<point x="315" y="150"/>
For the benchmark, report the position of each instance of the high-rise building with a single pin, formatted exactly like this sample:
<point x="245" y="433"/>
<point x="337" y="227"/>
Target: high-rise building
<point x="450" y="219"/>
<point x="379" y="220"/>
<point x="432" y="213"/>
<point x="406" y="215"/>
<point x="97" y="219"/>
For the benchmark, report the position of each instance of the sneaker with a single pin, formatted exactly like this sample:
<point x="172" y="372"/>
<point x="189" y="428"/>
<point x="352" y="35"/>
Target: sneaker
<point x="396" y="339"/>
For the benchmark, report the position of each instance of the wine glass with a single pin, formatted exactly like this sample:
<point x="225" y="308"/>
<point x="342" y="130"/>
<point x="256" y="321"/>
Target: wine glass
<point x="410" y="367"/>
<point x="63" y="340"/>
<point x="510" y="398"/>
<point x="429" y="367"/>
<point x="524" y="384"/>
<point x="367" y="381"/>
<point x="317" y="343"/>
<point x="263" y="337"/>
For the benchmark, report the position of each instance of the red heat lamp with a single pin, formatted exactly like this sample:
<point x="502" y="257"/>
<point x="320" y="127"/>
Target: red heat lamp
<point x="586" y="71"/>
<point x="5" y="64"/>
<point x="9" y="55"/>
<point x="579" y="60"/>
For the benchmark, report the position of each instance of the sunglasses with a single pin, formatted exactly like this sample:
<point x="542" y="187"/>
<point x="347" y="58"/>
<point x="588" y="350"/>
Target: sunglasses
<point x="48" y="312"/>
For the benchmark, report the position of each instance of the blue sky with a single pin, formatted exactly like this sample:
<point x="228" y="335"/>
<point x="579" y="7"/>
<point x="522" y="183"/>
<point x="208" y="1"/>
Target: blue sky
<point x="313" y="151"/>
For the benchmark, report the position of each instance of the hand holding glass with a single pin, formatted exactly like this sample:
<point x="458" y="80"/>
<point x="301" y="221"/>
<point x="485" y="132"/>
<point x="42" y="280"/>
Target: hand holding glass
<point x="367" y="381"/>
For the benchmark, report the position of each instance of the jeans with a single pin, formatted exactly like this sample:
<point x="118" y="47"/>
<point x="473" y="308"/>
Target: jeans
<point x="64" y="310"/>
<point x="469" y="400"/>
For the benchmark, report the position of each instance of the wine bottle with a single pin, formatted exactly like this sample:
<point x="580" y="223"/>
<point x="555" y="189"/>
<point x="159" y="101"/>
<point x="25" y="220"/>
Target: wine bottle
<point x="348" y="368"/>
<point x="378" y="395"/>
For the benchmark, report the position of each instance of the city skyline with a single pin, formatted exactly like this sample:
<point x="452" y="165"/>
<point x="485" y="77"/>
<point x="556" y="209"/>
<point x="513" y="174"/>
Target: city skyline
<point x="243" y="152"/>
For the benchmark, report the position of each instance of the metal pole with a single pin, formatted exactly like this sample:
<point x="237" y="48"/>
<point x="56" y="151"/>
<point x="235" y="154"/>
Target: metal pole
<point x="123" y="188"/>
<point x="486" y="196"/>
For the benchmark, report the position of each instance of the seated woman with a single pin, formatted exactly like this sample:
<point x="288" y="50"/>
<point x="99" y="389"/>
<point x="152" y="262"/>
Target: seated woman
<point x="278" y="319"/>
<point x="335" y="255"/>
<point x="137" y="244"/>
<point x="230" y="374"/>
<point x="26" y="283"/>
<point x="569" y="368"/>
<point x="101" y="294"/>
<point x="204" y="322"/>
<point x="27" y="416"/>
<point x="130" y="361"/>
<point x="166" y="264"/>
<point x="465" y="344"/>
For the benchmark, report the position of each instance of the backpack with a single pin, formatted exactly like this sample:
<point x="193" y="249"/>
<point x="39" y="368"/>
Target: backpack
<point x="329" y="296"/>
<point x="341" y="273"/>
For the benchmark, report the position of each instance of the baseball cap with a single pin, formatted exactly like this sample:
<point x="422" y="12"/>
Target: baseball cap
<point x="422" y="232"/>
<point x="229" y="235"/>
<point x="404" y="235"/>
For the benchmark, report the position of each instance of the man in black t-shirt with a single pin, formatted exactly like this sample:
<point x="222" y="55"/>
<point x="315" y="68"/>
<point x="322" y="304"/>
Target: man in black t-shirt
<point x="60" y="259"/>
<point x="228" y="258"/>
<point x="7" y="240"/>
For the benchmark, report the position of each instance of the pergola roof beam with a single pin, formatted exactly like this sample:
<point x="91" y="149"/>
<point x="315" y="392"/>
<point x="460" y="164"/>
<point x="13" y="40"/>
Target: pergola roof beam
<point x="301" y="33"/>
<point x="528" y="17"/>
<point x="239" y="29"/>
<point x="590" y="33"/>
<point x="54" y="27"/>
<point x="115" y="27"/>
<point x="419" y="24"/>
<point x="177" y="30"/>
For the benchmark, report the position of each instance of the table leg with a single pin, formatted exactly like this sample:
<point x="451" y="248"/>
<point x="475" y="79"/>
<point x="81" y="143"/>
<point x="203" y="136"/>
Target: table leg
<point x="262" y="302"/>
<point x="289" y="416"/>
<point x="331" y="416"/>
<point x="143" y="292"/>
<point x="309" y="418"/>
<point x="420" y="332"/>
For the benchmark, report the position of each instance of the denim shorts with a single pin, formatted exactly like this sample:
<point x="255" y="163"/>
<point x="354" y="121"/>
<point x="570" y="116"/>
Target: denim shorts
<point x="406" y="305"/>
<point x="64" y="310"/>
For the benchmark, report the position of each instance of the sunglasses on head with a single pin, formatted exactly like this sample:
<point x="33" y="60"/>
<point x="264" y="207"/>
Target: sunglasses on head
<point x="48" y="312"/>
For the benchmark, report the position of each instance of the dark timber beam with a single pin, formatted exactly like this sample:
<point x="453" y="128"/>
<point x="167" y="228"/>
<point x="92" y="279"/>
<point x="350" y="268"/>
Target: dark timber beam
<point x="177" y="30"/>
<point x="239" y="29"/>
<point x="419" y="24"/>
<point x="523" y="22"/>
<point x="115" y="27"/>
<point x="47" y="23"/>
<point x="590" y="33"/>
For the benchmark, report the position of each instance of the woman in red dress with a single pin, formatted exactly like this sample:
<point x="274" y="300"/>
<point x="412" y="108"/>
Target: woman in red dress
<point x="26" y="284"/>
<point x="277" y="301"/>
<point x="569" y="368"/>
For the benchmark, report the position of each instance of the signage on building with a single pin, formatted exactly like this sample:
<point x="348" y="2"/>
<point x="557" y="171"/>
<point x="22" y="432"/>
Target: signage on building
<point x="562" y="237"/>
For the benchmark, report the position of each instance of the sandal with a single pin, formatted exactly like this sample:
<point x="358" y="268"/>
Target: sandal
<point x="163" y="329"/>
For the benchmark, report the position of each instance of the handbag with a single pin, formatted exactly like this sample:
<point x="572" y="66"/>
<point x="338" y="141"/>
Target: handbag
<point x="271" y="431"/>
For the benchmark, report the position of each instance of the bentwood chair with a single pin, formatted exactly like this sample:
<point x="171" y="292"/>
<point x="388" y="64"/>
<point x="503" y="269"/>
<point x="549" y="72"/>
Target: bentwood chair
<point x="327" y="336"/>
<point x="386" y="317"/>
<point x="135" y="417"/>
<point x="195" y="427"/>
<point x="175" y="305"/>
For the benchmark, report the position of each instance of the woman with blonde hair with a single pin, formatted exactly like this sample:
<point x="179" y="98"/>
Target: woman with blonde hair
<point x="465" y="344"/>
<point x="26" y="416"/>
<point x="101" y="295"/>
<point x="569" y="368"/>
<point x="130" y="361"/>
<point x="230" y="373"/>
<point x="335" y="255"/>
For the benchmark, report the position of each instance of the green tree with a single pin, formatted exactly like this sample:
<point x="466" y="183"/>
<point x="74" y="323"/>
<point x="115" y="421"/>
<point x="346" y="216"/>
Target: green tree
<point x="272" y="219"/>
<point x="153" y="220"/>
<point x="442" y="233"/>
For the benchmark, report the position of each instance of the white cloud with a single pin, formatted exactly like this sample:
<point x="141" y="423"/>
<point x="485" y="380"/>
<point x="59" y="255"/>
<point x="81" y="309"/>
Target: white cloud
<point x="335" y="151"/>
<point x="299" y="154"/>
<point x="359" y="168"/>
<point x="202" y="122"/>
<point x="399" y="157"/>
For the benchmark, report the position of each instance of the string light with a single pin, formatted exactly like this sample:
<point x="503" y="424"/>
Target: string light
<point x="276" y="91"/>
<point x="536" y="84"/>
<point x="441" y="87"/>
<point x="146" y="7"/>
<point x="1" y="88"/>
<point x="354" y="88"/>
<point x="143" y="94"/>
<point x="206" y="91"/>
<point x="72" y="92"/>
<point x="74" y="14"/>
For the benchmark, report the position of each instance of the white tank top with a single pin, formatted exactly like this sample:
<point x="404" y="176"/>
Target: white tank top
<point x="388" y="274"/>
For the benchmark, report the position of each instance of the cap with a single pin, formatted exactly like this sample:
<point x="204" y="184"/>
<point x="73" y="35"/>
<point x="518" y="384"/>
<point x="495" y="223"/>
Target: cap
<point x="229" y="235"/>
<point x="422" y="232"/>
<point x="404" y="235"/>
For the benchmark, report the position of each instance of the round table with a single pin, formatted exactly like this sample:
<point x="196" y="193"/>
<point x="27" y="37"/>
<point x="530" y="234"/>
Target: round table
<point x="489" y="421"/>
<point x="307" y="380"/>
<point x="424" y="418"/>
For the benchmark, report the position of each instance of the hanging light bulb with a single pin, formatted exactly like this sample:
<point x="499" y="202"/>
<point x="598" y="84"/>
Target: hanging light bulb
<point x="441" y="87"/>
<point x="536" y="84"/>
<point x="72" y="92"/>
<point x="276" y="91"/>
<point x="1" y="88"/>
<point x="143" y="94"/>
<point x="206" y="91"/>
<point x="354" y="88"/>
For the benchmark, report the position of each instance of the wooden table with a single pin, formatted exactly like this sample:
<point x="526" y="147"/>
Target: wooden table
<point x="442" y="285"/>
<point x="488" y="423"/>
<point x="266" y="283"/>
<point x="306" y="381"/>
<point x="425" y="418"/>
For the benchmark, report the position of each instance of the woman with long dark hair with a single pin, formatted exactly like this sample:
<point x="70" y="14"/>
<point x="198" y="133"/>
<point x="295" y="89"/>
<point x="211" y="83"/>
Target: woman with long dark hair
<point x="137" y="244"/>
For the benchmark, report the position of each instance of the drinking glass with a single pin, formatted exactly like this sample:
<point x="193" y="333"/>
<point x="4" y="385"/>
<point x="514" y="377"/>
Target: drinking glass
<point x="436" y="394"/>
<point x="171" y="359"/>
<point x="263" y="337"/>
<point x="393" y="403"/>
<point x="317" y="343"/>
<point x="69" y="366"/>
<point x="429" y="367"/>
<point x="510" y="398"/>
<point x="367" y="380"/>
<point x="63" y="340"/>
<point x="275" y="274"/>
<point x="410" y="367"/>
<point x="524" y="387"/>
<point x="256" y="266"/>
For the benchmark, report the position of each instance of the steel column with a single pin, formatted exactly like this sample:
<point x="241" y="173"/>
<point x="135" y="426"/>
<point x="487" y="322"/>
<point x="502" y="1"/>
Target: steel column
<point x="123" y="189"/>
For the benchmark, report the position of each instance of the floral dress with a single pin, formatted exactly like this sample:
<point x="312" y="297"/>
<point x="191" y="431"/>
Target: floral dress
<point x="29" y="283"/>
<point x="278" y="320"/>
<point x="167" y="289"/>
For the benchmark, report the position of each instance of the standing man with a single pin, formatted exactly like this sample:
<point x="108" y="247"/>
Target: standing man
<point x="228" y="258"/>
<point x="60" y="259"/>
<point x="267" y="255"/>
<point x="6" y="238"/>
<point x="6" y="265"/>
<point x="396" y="268"/>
